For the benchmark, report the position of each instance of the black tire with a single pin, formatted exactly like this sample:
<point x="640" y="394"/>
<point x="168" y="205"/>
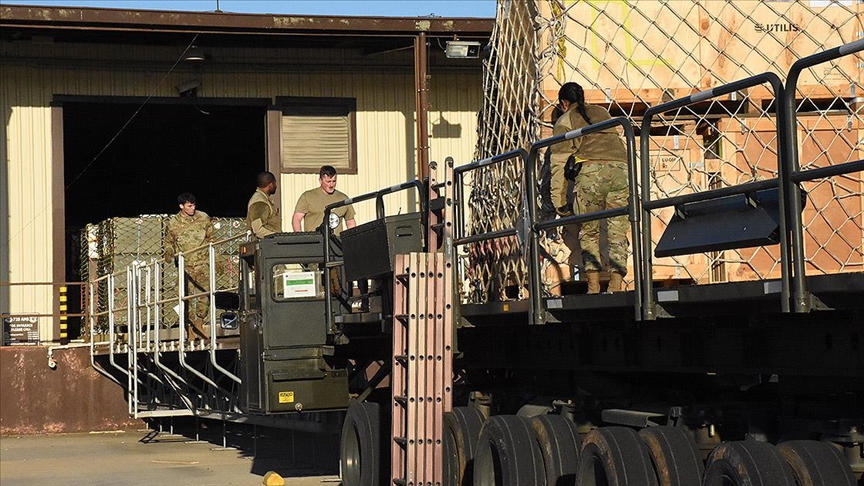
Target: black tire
<point x="507" y="454"/>
<point x="461" y="431"/>
<point x="816" y="463"/>
<point x="559" y="444"/>
<point x="614" y="456"/>
<point x="675" y="456"/>
<point x="751" y="463"/>
<point x="361" y="447"/>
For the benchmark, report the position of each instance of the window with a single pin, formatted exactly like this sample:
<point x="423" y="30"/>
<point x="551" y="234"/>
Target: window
<point x="318" y="131"/>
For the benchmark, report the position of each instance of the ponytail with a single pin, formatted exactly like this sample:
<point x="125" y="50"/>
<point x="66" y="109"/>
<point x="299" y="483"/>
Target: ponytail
<point x="574" y="93"/>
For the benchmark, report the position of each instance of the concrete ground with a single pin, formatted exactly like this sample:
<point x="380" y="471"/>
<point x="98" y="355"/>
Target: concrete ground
<point x="146" y="457"/>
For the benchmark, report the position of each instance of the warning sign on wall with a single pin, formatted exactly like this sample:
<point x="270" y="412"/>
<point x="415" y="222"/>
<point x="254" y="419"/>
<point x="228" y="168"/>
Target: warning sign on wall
<point x="20" y="331"/>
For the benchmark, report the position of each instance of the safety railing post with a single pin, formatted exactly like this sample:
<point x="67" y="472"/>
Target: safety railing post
<point x="792" y="168"/>
<point x="532" y="238"/>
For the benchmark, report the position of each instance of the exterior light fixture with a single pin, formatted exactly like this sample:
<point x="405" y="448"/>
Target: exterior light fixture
<point x="462" y="49"/>
<point x="194" y="54"/>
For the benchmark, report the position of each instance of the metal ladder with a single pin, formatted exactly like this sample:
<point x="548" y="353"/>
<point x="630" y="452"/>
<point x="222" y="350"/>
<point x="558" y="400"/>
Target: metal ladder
<point x="422" y="366"/>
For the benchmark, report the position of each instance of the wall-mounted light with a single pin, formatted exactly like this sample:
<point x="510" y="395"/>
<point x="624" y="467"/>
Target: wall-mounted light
<point x="462" y="49"/>
<point x="194" y="54"/>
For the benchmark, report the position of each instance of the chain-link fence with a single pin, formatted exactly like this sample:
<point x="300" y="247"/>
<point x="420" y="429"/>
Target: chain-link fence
<point x="631" y="55"/>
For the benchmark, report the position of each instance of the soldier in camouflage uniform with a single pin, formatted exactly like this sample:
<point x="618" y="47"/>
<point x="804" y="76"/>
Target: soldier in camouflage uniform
<point x="187" y="230"/>
<point x="601" y="183"/>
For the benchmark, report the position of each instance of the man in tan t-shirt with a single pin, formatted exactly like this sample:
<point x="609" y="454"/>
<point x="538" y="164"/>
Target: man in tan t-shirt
<point x="310" y="211"/>
<point x="310" y="206"/>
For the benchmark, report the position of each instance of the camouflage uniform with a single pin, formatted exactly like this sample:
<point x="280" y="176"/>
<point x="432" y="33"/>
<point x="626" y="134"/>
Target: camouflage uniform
<point x="183" y="234"/>
<point x="601" y="184"/>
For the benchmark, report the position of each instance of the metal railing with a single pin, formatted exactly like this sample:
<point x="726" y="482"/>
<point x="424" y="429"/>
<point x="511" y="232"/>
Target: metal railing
<point x="631" y="210"/>
<point x="143" y="340"/>
<point x="649" y="305"/>
<point x="793" y="175"/>
<point x="60" y="306"/>
<point x="794" y="296"/>
<point x="380" y="213"/>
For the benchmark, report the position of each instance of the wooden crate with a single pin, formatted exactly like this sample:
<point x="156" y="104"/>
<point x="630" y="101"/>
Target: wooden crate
<point x="649" y="51"/>
<point x="832" y="216"/>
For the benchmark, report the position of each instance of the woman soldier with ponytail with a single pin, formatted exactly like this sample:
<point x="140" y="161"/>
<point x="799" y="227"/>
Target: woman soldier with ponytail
<point x="601" y="183"/>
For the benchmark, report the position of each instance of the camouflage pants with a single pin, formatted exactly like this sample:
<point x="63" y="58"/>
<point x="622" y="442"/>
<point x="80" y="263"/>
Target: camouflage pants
<point x="603" y="185"/>
<point x="197" y="281"/>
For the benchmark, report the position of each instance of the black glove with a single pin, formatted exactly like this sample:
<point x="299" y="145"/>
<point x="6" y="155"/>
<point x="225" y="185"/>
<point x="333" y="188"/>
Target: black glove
<point x="564" y="211"/>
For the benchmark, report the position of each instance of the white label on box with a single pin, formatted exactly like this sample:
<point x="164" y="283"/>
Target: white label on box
<point x="298" y="284"/>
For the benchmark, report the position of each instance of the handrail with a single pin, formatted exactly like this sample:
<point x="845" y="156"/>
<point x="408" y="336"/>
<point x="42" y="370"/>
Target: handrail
<point x="489" y="235"/>
<point x="458" y="225"/>
<point x="379" y="210"/>
<point x="92" y="319"/>
<point x="181" y="354"/>
<point x="649" y="305"/>
<point x="157" y="353"/>
<point x="631" y="210"/>
<point x="111" y="339"/>
<point x="745" y="188"/>
<point x="459" y="192"/>
<point x="216" y="366"/>
<point x="792" y="166"/>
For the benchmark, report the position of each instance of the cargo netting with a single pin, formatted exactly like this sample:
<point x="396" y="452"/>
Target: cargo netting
<point x="116" y="245"/>
<point x="631" y="55"/>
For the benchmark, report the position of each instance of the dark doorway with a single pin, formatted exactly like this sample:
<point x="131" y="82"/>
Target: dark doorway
<point x="211" y="148"/>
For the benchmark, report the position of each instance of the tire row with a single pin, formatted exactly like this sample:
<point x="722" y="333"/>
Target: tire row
<point x="546" y="450"/>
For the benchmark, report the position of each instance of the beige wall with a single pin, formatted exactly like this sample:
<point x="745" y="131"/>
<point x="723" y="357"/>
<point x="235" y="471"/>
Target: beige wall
<point x="384" y="88"/>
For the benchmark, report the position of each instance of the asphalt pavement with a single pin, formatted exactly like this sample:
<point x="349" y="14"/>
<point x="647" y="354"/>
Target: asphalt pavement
<point x="153" y="457"/>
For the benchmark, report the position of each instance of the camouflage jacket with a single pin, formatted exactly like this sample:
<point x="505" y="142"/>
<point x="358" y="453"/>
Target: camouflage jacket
<point x="603" y="146"/>
<point x="183" y="233"/>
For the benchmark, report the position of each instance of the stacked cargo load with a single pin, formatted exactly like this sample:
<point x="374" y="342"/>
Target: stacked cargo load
<point x="116" y="244"/>
<point x="632" y="55"/>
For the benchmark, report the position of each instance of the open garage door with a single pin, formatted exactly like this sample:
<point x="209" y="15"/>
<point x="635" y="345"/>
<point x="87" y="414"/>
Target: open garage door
<point x="123" y="157"/>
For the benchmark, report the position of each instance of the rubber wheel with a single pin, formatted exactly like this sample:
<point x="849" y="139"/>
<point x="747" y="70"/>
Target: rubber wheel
<point x="674" y="454"/>
<point x="461" y="431"/>
<point x="361" y="446"/>
<point x="816" y="463"/>
<point x="747" y="463"/>
<point x="614" y="456"/>
<point x="559" y="444"/>
<point x="507" y="454"/>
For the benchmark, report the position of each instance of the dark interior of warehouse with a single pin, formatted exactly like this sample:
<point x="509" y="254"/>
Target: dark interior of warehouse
<point x="125" y="159"/>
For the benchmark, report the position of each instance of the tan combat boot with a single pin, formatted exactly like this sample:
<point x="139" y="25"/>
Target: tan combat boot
<point x="616" y="282"/>
<point x="593" y="278"/>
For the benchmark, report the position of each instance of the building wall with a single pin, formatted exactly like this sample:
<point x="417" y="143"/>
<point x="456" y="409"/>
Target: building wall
<point x="383" y="85"/>
<point x="71" y="398"/>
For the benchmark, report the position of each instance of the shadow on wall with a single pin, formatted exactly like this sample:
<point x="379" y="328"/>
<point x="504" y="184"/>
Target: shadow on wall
<point x="35" y="399"/>
<point x="442" y="128"/>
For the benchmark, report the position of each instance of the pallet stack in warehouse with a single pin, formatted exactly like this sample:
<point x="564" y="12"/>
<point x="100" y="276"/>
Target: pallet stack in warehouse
<point x="110" y="246"/>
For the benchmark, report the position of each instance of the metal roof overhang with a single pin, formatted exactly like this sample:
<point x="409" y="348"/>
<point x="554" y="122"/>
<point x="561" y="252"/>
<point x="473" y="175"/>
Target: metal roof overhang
<point x="231" y="29"/>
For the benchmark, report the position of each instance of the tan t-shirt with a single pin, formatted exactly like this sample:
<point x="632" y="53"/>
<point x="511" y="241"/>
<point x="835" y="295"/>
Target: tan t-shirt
<point x="262" y="217"/>
<point x="312" y="204"/>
